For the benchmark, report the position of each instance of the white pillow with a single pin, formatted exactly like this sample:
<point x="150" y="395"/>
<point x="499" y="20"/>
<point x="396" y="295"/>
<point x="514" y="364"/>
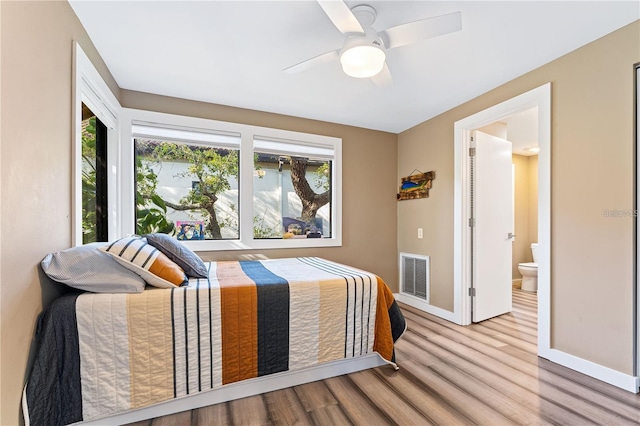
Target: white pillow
<point x="88" y="268"/>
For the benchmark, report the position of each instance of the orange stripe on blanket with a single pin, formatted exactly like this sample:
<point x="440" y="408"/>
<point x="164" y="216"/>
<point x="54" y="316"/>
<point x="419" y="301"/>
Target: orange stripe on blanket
<point x="239" y="306"/>
<point x="383" y="343"/>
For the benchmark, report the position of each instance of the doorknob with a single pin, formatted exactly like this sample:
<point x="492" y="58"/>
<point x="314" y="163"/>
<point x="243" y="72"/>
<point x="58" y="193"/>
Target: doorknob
<point x="511" y="235"/>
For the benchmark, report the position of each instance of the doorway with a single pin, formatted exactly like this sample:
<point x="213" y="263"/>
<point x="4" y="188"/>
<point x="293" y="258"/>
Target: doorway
<point x="505" y="213"/>
<point x="540" y="98"/>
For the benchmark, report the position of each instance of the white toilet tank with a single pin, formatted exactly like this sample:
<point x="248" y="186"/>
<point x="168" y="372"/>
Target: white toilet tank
<point x="534" y="251"/>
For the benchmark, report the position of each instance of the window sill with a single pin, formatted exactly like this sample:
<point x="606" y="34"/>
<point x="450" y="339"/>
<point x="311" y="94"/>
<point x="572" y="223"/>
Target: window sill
<point x="290" y="243"/>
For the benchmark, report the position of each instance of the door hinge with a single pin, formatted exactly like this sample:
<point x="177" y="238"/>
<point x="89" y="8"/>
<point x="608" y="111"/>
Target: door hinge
<point x="472" y="291"/>
<point x="472" y="152"/>
<point x="472" y="222"/>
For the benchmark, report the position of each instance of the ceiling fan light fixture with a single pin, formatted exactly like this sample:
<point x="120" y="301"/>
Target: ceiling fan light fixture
<point x="362" y="61"/>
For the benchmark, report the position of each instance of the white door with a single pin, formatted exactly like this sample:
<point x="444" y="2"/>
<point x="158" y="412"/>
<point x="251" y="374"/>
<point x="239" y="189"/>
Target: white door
<point x="492" y="231"/>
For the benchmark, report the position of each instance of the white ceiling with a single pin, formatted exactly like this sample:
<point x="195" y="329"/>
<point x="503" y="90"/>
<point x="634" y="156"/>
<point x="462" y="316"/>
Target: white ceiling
<point x="233" y="52"/>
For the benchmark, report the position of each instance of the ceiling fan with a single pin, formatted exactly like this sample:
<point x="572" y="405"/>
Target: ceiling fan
<point x="363" y="53"/>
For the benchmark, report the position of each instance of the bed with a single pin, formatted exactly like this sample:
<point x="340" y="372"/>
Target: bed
<point x="248" y="327"/>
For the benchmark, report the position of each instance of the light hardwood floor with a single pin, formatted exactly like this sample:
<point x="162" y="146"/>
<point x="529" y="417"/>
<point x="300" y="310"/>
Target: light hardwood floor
<point x="485" y="374"/>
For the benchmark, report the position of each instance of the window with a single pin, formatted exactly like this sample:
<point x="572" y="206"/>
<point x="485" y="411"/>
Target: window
<point x="94" y="178"/>
<point x="186" y="183"/>
<point x="223" y="186"/>
<point x="95" y="156"/>
<point x="291" y="190"/>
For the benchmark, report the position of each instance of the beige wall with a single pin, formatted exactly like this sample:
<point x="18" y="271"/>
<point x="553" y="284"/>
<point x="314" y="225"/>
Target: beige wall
<point x="425" y="148"/>
<point x="36" y="174"/>
<point x="36" y="170"/>
<point x="591" y="170"/>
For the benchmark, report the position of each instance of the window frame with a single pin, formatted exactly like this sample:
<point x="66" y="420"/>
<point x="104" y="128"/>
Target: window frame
<point x="129" y="117"/>
<point x="90" y="89"/>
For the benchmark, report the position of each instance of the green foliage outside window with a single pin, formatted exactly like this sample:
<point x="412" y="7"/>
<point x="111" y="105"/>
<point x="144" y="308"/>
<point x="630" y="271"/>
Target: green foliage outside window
<point x="89" y="180"/>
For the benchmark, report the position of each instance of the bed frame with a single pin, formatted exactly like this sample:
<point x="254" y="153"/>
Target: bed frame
<point x="246" y="388"/>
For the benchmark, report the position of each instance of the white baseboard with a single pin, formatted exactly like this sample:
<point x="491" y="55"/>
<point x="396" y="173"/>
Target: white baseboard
<point x="597" y="371"/>
<point x="424" y="306"/>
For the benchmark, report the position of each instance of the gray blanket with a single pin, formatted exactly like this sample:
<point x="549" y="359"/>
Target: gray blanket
<point x="54" y="393"/>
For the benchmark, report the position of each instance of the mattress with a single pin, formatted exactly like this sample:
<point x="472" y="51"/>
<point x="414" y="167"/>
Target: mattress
<point x="105" y="354"/>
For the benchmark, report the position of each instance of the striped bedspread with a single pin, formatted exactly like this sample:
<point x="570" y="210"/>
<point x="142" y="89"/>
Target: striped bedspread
<point x="248" y="319"/>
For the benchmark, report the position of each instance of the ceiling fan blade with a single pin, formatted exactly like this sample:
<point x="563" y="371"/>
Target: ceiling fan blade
<point x="341" y="16"/>
<point x="383" y="78"/>
<point x="310" y="63"/>
<point x="412" y="32"/>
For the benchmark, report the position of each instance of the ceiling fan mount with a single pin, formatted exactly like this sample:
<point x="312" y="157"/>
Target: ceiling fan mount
<point x="365" y="14"/>
<point x="363" y="52"/>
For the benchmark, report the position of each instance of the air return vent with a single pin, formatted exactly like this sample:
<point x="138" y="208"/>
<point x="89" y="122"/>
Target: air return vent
<point x="414" y="275"/>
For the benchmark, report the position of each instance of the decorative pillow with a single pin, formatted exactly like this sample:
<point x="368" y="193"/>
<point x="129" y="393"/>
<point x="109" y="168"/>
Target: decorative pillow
<point x="87" y="268"/>
<point x="135" y="254"/>
<point x="176" y="251"/>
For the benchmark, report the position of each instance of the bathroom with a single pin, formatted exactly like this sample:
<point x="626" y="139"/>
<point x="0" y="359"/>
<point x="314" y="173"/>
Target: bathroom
<point x="522" y="131"/>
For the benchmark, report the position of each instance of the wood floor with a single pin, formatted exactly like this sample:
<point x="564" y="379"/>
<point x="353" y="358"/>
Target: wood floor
<point x="485" y="374"/>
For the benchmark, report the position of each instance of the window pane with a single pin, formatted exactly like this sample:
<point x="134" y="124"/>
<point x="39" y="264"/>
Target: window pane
<point x="94" y="178"/>
<point x="186" y="190"/>
<point x="88" y="176"/>
<point x="292" y="197"/>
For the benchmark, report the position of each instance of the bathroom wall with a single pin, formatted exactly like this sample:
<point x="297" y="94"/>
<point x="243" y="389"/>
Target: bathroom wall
<point x="533" y="198"/>
<point x="521" y="245"/>
<point x="526" y="210"/>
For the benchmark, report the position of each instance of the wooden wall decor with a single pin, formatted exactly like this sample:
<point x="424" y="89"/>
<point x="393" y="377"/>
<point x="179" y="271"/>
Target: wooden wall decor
<point x="416" y="185"/>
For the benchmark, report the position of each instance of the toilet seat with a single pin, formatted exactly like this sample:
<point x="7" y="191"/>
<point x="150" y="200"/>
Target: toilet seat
<point x="530" y="265"/>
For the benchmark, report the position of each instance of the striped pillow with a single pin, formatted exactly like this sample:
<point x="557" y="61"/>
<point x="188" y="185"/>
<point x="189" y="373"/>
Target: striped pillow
<point x="135" y="254"/>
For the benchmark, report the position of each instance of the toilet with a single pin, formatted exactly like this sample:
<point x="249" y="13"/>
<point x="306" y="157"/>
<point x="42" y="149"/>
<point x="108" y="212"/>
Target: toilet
<point x="529" y="271"/>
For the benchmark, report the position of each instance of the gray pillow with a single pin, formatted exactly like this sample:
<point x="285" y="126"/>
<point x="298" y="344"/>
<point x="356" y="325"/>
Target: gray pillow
<point x="88" y="268"/>
<point x="185" y="258"/>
